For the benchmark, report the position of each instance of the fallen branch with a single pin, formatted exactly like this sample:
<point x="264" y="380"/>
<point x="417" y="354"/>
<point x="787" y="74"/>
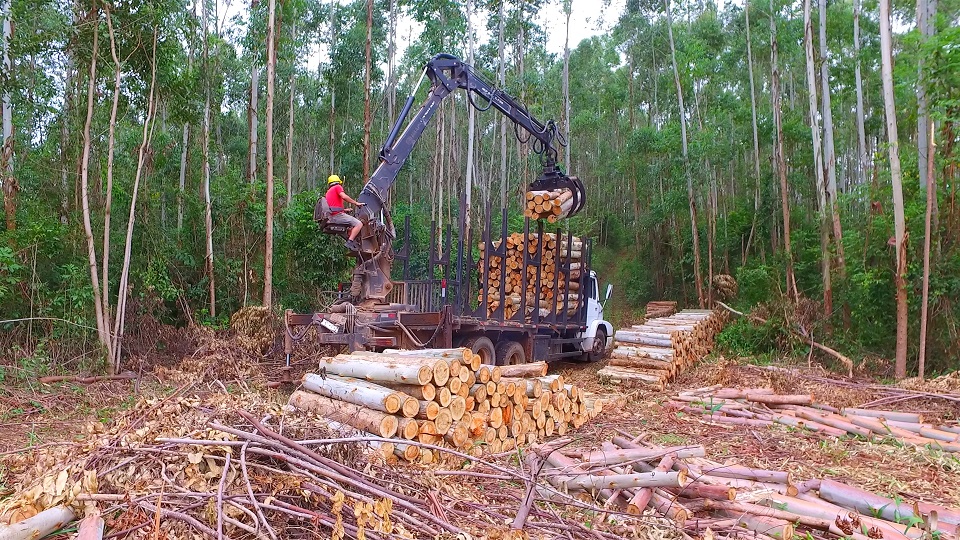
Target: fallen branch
<point x="803" y="337"/>
<point x="128" y="376"/>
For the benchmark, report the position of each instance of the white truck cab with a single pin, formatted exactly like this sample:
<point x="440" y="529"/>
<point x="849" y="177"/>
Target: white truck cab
<point x="598" y="336"/>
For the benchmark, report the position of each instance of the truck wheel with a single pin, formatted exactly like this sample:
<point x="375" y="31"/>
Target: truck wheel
<point x="599" y="346"/>
<point x="510" y="353"/>
<point x="483" y="346"/>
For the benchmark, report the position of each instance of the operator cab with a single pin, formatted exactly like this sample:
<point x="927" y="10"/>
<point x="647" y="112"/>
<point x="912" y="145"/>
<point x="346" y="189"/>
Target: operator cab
<point x="321" y="214"/>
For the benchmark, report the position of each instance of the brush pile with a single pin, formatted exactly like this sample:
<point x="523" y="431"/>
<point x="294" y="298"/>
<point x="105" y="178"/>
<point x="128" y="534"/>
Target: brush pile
<point x="553" y="270"/>
<point x="443" y="397"/>
<point x="653" y="353"/>
<point x="549" y="205"/>
<point x="763" y="407"/>
<point x="725" y="286"/>
<point x="708" y="499"/>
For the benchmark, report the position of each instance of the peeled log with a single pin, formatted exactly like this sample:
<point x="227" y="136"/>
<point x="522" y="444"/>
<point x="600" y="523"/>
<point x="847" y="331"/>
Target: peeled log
<point x="428" y="410"/>
<point x="872" y="504"/>
<point x="356" y="416"/>
<point x="625" y="336"/>
<point x="641" y="363"/>
<point x="747" y="473"/>
<point x="358" y="392"/>
<point x="610" y="457"/>
<point x="408" y="428"/>
<point x="626" y="481"/>
<point x="426" y="392"/>
<point x="533" y="369"/>
<point x="773" y="527"/>
<point x="39" y="525"/>
<point x="384" y="370"/>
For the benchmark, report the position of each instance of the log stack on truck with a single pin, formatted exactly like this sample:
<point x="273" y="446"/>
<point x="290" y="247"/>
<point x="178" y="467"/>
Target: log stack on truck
<point x="443" y="397"/>
<point x="550" y="285"/>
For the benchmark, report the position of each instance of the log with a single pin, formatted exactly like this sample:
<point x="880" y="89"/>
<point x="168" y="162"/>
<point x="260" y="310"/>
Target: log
<point x="356" y="416"/>
<point x="384" y="369"/>
<point x="773" y="527"/>
<point x="664" y="354"/>
<point x="641" y="363"/>
<point x="460" y="352"/>
<point x="697" y="490"/>
<point x="872" y="504"/>
<point x="443" y="396"/>
<point x="443" y="421"/>
<point x="626" y="481"/>
<point x="777" y="399"/>
<point x="625" y="336"/>
<point x="38" y="526"/>
<point x="428" y="410"/>
<point x="533" y="369"/>
<point x="425" y="392"/>
<point x="458" y="406"/>
<point x="622" y="455"/>
<point x="831" y="420"/>
<point x="828" y="510"/>
<point x="360" y="392"/>
<point x="407" y="452"/>
<point x="886" y="415"/>
<point x="458" y="435"/>
<point x="91" y="527"/>
<point x="408" y="428"/>
<point x="746" y="473"/>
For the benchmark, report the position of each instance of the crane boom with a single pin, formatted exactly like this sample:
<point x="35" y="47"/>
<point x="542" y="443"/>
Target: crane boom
<point x="447" y="73"/>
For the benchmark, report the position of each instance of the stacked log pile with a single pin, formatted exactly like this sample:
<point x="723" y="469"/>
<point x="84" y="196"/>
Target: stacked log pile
<point x="764" y="407"/>
<point x="707" y="498"/>
<point x="444" y="397"/>
<point x="557" y="283"/>
<point x="660" y="308"/>
<point x="549" y="205"/>
<point x="656" y="351"/>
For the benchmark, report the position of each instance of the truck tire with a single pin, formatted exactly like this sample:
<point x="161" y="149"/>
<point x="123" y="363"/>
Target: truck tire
<point x="510" y="353"/>
<point x="599" y="346"/>
<point x="483" y="346"/>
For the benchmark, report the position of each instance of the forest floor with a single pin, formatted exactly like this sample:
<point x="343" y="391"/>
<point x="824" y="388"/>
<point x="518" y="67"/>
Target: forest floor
<point x="36" y="417"/>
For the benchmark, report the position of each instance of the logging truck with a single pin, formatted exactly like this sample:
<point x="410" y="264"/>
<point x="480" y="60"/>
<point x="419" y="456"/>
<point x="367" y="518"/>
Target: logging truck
<point x="511" y="298"/>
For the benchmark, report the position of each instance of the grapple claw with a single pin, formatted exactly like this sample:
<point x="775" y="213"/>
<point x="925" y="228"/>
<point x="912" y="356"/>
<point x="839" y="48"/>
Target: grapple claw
<point x="554" y="178"/>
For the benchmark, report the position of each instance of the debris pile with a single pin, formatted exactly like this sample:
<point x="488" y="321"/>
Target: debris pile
<point x="725" y="286"/>
<point x="707" y="499"/>
<point x="549" y="205"/>
<point x="764" y="407"/>
<point x="443" y="397"/>
<point x="653" y="353"/>
<point x="553" y="274"/>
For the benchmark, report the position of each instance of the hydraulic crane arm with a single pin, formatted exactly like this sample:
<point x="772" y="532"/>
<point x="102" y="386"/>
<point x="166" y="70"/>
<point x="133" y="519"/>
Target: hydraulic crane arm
<point x="448" y="73"/>
<point x="371" y="277"/>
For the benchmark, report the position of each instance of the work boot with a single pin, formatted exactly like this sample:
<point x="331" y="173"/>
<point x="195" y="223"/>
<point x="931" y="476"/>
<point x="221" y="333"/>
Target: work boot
<point x="352" y="245"/>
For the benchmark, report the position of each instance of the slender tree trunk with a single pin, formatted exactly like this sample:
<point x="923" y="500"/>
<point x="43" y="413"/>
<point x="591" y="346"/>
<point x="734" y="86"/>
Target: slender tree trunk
<point x="691" y="199"/>
<point x="333" y="88"/>
<point x="391" y="65"/>
<point x="68" y="105"/>
<point x="289" y="179"/>
<point x="110" y="156"/>
<point x="818" y="165"/>
<point x="253" y="120"/>
<point x="780" y="156"/>
<point x="208" y="203"/>
<point x="756" y="139"/>
<point x="926" y="24"/>
<point x="183" y="173"/>
<point x="8" y="181"/>
<point x="502" y="80"/>
<point x="861" y="132"/>
<point x="567" y="10"/>
<point x="366" y="93"/>
<point x="927" y="232"/>
<point x="468" y="187"/>
<point x="118" y="325"/>
<point x="900" y="234"/>
<point x="829" y="152"/>
<point x="271" y="75"/>
<point x="85" y="199"/>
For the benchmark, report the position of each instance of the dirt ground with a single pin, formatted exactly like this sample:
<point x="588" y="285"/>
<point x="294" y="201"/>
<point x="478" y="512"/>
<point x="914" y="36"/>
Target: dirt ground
<point x="46" y="415"/>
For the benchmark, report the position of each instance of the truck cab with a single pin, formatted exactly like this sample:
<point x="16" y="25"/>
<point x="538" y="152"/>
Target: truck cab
<point x="598" y="335"/>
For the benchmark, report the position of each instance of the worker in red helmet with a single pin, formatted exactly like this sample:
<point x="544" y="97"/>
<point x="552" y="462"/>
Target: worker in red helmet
<point x="338" y="215"/>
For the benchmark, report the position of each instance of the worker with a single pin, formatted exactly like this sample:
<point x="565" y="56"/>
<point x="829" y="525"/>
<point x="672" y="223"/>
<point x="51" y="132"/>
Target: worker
<point x="338" y="214"/>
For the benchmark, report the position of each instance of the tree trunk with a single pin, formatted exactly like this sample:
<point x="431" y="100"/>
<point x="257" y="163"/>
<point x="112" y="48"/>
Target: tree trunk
<point x="818" y="165"/>
<point x="502" y="80"/>
<point x="368" y="66"/>
<point x="471" y="112"/>
<point x="686" y="161"/>
<point x="861" y="132"/>
<point x="926" y="19"/>
<point x="756" y="139"/>
<point x="7" y="181"/>
<point x="110" y="156"/>
<point x="363" y="393"/>
<point x="183" y="174"/>
<point x="271" y="75"/>
<point x="289" y="179"/>
<point x="252" y="118"/>
<point x="85" y="199"/>
<point x="829" y="153"/>
<point x="357" y="416"/>
<point x="890" y="112"/>
<point x="567" y="10"/>
<point x="391" y="65"/>
<point x="208" y="204"/>
<point x="333" y="89"/>
<point x="927" y="232"/>
<point x="779" y="155"/>
<point x="118" y="326"/>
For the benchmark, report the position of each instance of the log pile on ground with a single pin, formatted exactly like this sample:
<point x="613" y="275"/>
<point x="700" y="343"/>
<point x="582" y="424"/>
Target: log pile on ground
<point x="660" y="308"/>
<point x="708" y="499"/>
<point x="763" y="407"/>
<point x="444" y="397"/>
<point x="725" y="286"/>
<point x="653" y="353"/>
<point x="558" y="273"/>
<point x="549" y="205"/>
